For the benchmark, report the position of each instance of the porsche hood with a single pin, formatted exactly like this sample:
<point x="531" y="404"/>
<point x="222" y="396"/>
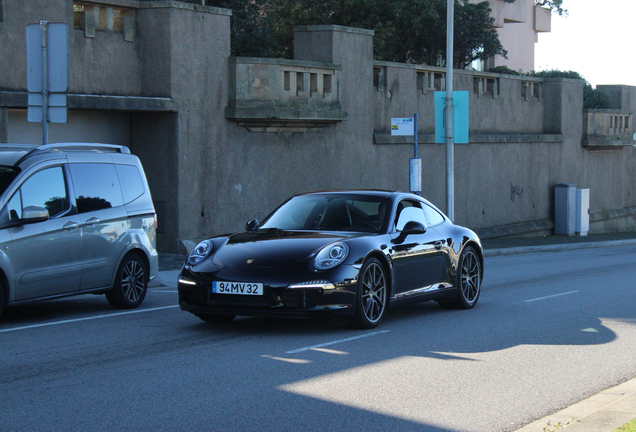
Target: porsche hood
<point x="272" y="248"/>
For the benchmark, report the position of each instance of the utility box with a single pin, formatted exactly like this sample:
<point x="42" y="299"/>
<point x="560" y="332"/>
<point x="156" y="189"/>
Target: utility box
<point x="564" y="209"/>
<point x="582" y="212"/>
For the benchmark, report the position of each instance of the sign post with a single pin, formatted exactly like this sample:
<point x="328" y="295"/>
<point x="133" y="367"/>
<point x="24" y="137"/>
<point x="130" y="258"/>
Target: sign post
<point x="408" y="127"/>
<point x="47" y="73"/>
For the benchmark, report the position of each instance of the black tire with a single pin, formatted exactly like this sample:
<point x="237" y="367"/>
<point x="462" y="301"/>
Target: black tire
<point x="2" y="300"/>
<point x="216" y="319"/>
<point x="131" y="283"/>
<point x="468" y="281"/>
<point x="372" y="297"/>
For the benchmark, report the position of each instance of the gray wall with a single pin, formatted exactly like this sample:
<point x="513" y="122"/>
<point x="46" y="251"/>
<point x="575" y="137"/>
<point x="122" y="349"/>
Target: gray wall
<point x="169" y="83"/>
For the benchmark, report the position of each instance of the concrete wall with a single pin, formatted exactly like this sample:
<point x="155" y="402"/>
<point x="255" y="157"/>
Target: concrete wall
<point x="212" y="167"/>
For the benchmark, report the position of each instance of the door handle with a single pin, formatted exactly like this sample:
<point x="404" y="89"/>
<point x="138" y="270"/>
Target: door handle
<point x="70" y="226"/>
<point x="92" y="221"/>
<point x="438" y="245"/>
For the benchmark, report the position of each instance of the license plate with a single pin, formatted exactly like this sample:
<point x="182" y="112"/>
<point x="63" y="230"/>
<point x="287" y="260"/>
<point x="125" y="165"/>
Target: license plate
<point x="239" y="288"/>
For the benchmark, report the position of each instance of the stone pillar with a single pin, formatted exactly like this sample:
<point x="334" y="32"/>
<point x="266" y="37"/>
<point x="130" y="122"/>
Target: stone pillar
<point x="352" y="48"/>
<point x="563" y="105"/>
<point x="4" y="124"/>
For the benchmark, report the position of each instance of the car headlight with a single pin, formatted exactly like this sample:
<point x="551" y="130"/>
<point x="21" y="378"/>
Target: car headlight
<point x="331" y="255"/>
<point x="200" y="252"/>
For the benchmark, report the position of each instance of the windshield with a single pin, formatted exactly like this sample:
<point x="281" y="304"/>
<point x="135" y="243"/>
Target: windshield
<point x="333" y="212"/>
<point x="7" y="174"/>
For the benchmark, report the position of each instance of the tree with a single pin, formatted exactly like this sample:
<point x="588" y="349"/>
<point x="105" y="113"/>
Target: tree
<point x="555" y="5"/>
<point x="251" y="30"/>
<point x="412" y="31"/>
<point x="592" y="98"/>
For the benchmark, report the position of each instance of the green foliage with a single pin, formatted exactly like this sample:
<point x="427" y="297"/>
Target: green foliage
<point x="592" y="98"/>
<point x="555" y="5"/>
<point x="251" y="31"/>
<point x="629" y="427"/>
<point x="505" y="70"/>
<point x="412" y="31"/>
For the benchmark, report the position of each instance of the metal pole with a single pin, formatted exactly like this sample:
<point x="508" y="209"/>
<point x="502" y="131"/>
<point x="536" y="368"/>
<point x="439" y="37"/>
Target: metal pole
<point x="45" y="83"/>
<point x="415" y="133"/>
<point x="448" y="124"/>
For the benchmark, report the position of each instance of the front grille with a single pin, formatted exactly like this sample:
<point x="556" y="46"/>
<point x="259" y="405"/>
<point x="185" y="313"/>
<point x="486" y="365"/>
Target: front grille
<point x="197" y="296"/>
<point x="301" y="299"/>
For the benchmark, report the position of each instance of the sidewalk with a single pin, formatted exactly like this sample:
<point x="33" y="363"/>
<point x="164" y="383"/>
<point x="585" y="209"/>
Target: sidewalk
<point x="604" y="412"/>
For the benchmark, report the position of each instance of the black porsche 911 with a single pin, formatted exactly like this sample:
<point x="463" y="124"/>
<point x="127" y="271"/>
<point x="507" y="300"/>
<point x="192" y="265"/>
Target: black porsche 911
<point x="346" y="253"/>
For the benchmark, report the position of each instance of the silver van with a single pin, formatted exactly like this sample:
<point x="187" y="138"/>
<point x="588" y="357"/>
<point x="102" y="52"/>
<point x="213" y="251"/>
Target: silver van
<point x="75" y="219"/>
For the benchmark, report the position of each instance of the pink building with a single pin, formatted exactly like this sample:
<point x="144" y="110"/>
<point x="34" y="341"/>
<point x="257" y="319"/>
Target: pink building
<point x="519" y="25"/>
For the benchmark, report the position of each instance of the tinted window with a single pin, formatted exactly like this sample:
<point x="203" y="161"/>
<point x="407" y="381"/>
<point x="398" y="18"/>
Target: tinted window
<point x="46" y="189"/>
<point x="408" y="211"/>
<point x="434" y="217"/>
<point x="132" y="186"/>
<point x="7" y="174"/>
<point x="348" y="212"/>
<point x="96" y="187"/>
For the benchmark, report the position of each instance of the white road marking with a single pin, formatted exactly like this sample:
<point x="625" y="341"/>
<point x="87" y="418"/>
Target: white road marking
<point x="299" y="350"/>
<point x="87" y="318"/>
<point x="551" y="296"/>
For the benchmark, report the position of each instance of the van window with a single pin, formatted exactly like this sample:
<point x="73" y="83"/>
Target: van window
<point x="96" y="186"/>
<point x="130" y="176"/>
<point x="46" y="189"/>
<point x="7" y="174"/>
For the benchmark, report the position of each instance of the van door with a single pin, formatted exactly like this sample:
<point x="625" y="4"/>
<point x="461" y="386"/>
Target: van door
<point x="103" y="221"/>
<point x="46" y="255"/>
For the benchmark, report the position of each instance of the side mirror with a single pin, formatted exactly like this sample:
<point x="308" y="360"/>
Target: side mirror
<point x="414" y="227"/>
<point x="251" y="225"/>
<point x="34" y="214"/>
<point x="411" y="227"/>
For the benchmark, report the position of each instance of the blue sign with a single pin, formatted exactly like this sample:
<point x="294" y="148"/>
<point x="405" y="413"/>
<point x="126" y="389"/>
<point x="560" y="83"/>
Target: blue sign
<point x="460" y="117"/>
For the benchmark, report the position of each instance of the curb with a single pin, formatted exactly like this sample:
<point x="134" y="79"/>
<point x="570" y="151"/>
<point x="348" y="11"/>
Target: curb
<point x="556" y="247"/>
<point x="603" y="412"/>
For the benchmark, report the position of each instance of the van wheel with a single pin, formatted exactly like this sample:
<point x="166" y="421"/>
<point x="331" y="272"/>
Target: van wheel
<point x="131" y="284"/>
<point x="1" y="298"/>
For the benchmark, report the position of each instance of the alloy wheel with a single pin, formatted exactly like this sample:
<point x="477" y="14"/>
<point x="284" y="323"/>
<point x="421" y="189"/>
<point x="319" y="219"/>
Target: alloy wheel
<point x="374" y="292"/>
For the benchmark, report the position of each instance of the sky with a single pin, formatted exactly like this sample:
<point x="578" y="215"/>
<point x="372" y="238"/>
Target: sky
<point x="597" y="40"/>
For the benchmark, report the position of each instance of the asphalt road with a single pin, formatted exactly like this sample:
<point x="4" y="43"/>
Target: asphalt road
<point x="550" y="329"/>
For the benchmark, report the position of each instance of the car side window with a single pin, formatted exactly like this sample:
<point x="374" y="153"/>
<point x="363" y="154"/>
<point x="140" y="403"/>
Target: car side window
<point x="130" y="178"/>
<point x="46" y="189"/>
<point x="409" y="211"/>
<point x="96" y="186"/>
<point x="434" y="218"/>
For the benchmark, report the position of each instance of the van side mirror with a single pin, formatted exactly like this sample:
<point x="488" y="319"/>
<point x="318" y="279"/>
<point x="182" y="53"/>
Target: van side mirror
<point x="34" y="214"/>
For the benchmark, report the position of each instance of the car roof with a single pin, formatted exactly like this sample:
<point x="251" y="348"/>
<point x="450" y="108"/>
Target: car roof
<point x="14" y="154"/>
<point x="369" y="192"/>
<point x="373" y="192"/>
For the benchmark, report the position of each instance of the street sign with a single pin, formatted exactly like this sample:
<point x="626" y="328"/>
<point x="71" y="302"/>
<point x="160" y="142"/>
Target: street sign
<point x="460" y="117"/>
<point x="57" y="54"/>
<point x="47" y="73"/>
<point x="415" y="175"/>
<point x="402" y="126"/>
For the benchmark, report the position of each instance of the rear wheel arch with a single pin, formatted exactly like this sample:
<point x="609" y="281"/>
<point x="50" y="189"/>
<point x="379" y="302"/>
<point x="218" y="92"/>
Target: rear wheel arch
<point x="131" y="281"/>
<point x="4" y="291"/>
<point x="480" y="253"/>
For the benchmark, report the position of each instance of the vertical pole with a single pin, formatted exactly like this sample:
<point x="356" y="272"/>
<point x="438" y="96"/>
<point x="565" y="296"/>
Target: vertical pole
<point x="448" y="126"/>
<point x="415" y="133"/>
<point x="45" y="83"/>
